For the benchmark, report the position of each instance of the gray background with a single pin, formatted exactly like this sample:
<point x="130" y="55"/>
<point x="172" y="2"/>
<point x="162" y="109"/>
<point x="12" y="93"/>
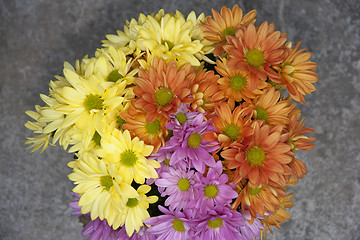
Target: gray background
<point x="37" y="36"/>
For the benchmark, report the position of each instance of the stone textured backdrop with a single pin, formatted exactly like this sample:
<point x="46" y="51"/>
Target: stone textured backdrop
<point x="37" y="36"/>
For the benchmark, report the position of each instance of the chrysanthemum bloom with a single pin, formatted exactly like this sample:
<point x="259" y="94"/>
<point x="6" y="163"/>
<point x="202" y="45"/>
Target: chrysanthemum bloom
<point x="151" y="133"/>
<point x="256" y="50"/>
<point x="213" y="189"/>
<point x="163" y="88"/>
<point x="135" y="210"/>
<point x="205" y="92"/>
<point x="234" y="84"/>
<point x="171" y="225"/>
<point x="279" y="216"/>
<point x="190" y="145"/>
<point x="252" y="226"/>
<point x="231" y="125"/>
<point x="225" y="24"/>
<point x="297" y="73"/>
<point x="297" y="139"/>
<point x="270" y="108"/>
<point x="180" y="117"/>
<point x="102" y="190"/>
<point x="219" y="223"/>
<point x="141" y="235"/>
<point x="179" y="187"/>
<point x="264" y="158"/>
<point x="129" y="155"/>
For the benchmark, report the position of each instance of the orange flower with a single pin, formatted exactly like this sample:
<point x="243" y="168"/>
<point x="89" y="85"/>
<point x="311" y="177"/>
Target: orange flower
<point x="234" y="84"/>
<point x="162" y="88"/>
<point x="297" y="139"/>
<point x="271" y="109"/>
<point x="206" y="92"/>
<point x="256" y="50"/>
<point x="231" y="125"/>
<point x="151" y="133"/>
<point x="262" y="157"/>
<point x="225" y="24"/>
<point x="297" y="73"/>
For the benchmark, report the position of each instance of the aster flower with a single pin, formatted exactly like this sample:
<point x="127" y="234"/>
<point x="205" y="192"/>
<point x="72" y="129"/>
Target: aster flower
<point x="180" y="117"/>
<point x="163" y="88"/>
<point x="255" y="50"/>
<point x="250" y="231"/>
<point x="171" y="225"/>
<point x="225" y="24"/>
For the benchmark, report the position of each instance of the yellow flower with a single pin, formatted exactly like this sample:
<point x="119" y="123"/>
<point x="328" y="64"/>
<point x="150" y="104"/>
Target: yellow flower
<point x="129" y="155"/>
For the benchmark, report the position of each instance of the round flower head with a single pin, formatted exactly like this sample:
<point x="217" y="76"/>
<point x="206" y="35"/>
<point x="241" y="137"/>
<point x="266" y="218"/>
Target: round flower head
<point x="171" y="225"/>
<point x="180" y="117"/>
<point x="252" y="226"/>
<point x="163" y="88"/>
<point x="129" y="156"/>
<point x="255" y="50"/>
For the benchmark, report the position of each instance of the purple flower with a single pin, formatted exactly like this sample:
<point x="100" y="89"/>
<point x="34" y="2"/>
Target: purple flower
<point x="250" y="231"/>
<point x="172" y="225"/>
<point x="181" y="117"/>
<point x="141" y="235"/>
<point x="212" y="190"/>
<point x="179" y="184"/>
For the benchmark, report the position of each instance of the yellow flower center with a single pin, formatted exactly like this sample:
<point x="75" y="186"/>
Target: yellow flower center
<point x="255" y="57"/>
<point x="232" y="131"/>
<point x="169" y="44"/>
<point x="93" y="102"/>
<point x="132" y="202"/>
<point x="114" y="76"/>
<point x="215" y="223"/>
<point x="167" y="161"/>
<point x="230" y="31"/>
<point x="211" y="191"/>
<point x="163" y="96"/>
<point x="237" y="82"/>
<point x="255" y="156"/>
<point x="128" y="158"/>
<point x="183" y="184"/>
<point x="120" y="121"/>
<point x="178" y="225"/>
<point x="181" y="117"/>
<point x="194" y="140"/>
<point x="254" y="191"/>
<point x="107" y="182"/>
<point x="261" y="114"/>
<point x="96" y="138"/>
<point x="153" y="128"/>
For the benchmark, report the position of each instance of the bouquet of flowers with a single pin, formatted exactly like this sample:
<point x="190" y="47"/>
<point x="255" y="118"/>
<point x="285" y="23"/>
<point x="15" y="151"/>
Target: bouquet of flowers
<point x="182" y="127"/>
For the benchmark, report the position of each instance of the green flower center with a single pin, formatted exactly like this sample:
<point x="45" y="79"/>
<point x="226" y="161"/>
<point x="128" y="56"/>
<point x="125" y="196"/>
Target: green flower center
<point x="211" y="191"/>
<point x="132" y="202"/>
<point x="261" y="114"/>
<point x="153" y="128"/>
<point x="232" y="131"/>
<point x="169" y="44"/>
<point x="228" y="32"/>
<point x="255" y="57"/>
<point x="163" y="96"/>
<point x="120" y="121"/>
<point x="114" y="76"/>
<point x="181" y="117"/>
<point x="96" y="138"/>
<point x="167" y="161"/>
<point x="254" y="191"/>
<point x="128" y="158"/>
<point x="178" y="225"/>
<point x="107" y="182"/>
<point x="215" y="223"/>
<point x="194" y="140"/>
<point x="255" y="156"/>
<point x="238" y="82"/>
<point x="183" y="184"/>
<point x="93" y="102"/>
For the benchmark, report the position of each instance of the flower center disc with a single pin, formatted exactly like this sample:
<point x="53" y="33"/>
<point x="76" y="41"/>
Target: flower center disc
<point x="114" y="76"/>
<point x="153" y="128"/>
<point x="215" y="223"/>
<point x="255" y="156"/>
<point x="107" y="182"/>
<point x="181" y="117"/>
<point x="183" y="184"/>
<point x="194" y="140"/>
<point x="178" y="225"/>
<point x="228" y="32"/>
<point x="211" y="191"/>
<point x="132" y="202"/>
<point x="163" y="96"/>
<point x="254" y="191"/>
<point x="255" y="57"/>
<point x="93" y="102"/>
<point x="128" y="158"/>
<point x="232" y="131"/>
<point x="261" y="114"/>
<point x="237" y="82"/>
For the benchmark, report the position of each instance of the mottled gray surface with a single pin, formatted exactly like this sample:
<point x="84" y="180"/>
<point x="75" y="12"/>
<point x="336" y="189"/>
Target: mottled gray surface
<point x="37" y="36"/>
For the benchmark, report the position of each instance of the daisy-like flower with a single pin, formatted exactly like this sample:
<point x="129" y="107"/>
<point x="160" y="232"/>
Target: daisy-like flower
<point x="252" y="226"/>
<point x="180" y="117"/>
<point x="297" y="139"/>
<point x="225" y="24"/>
<point x="297" y="73"/>
<point x="129" y="155"/>
<point x="171" y="225"/>
<point x="212" y="190"/>
<point x="234" y="84"/>
<point x="135" y="210"/>
<point x="256" y="50"/>
<point x="189" y="144"/>
<point x="179" y="185"/>
<point x="163" y="88"/>
<point x="102" y="191"/>
<point x="263" y="160"/>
